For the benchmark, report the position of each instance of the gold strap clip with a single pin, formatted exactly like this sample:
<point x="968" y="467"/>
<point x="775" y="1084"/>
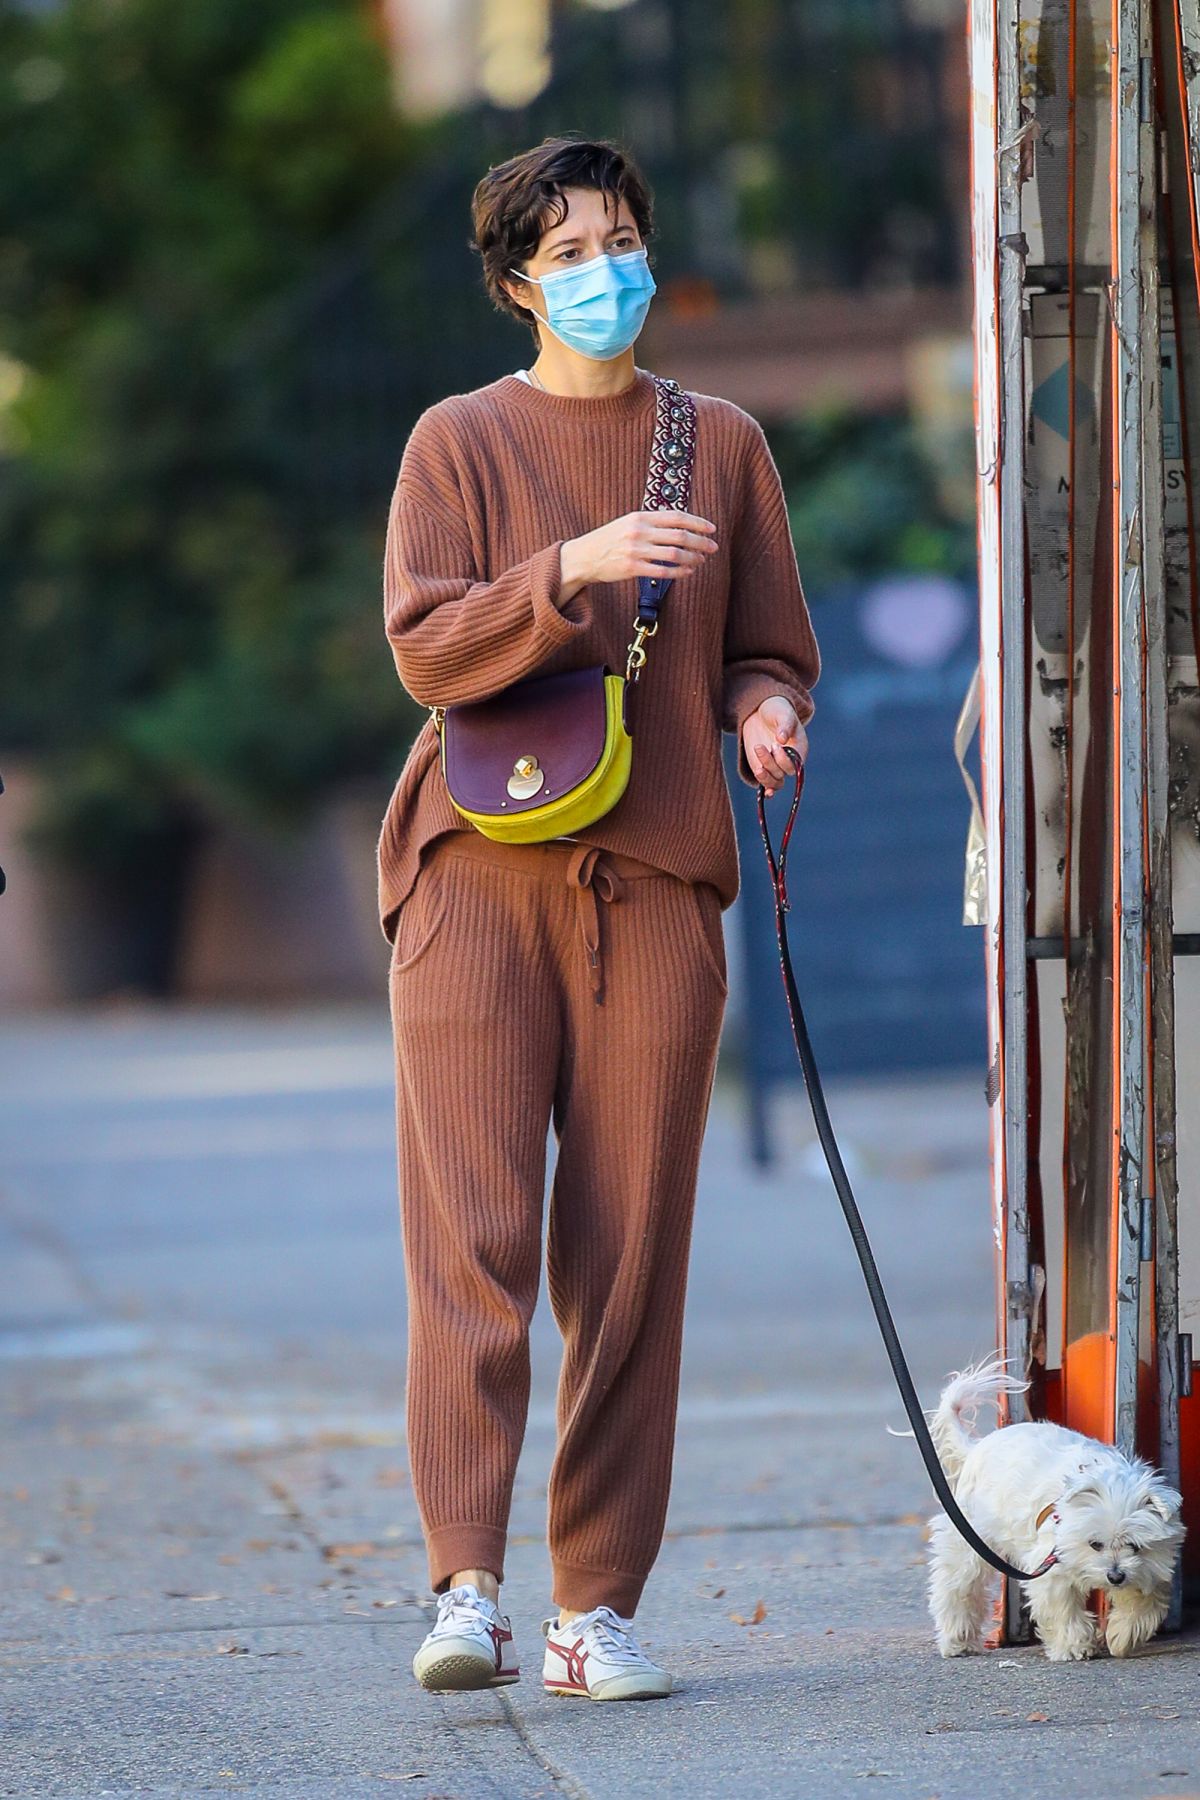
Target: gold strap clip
<point x="636" y="660"/>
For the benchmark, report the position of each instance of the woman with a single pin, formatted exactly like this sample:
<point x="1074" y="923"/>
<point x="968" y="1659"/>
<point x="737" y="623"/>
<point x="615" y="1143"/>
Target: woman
<point x="515" y="540"/>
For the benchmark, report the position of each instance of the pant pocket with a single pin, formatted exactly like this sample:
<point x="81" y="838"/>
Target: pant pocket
<point x="706" y="904"/>
<point x="419" y="920"/>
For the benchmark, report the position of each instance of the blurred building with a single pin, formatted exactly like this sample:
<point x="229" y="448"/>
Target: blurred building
<point x="452" y="53"/>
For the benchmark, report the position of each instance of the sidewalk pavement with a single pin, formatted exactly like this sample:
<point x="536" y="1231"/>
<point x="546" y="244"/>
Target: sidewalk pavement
<point x="214" y="1579"/>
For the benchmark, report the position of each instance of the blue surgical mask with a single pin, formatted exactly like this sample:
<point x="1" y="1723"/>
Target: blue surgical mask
<point x="597" y="307"/>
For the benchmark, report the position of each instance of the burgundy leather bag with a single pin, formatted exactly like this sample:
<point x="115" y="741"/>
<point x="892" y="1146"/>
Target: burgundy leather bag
<point x="566" y="712"/>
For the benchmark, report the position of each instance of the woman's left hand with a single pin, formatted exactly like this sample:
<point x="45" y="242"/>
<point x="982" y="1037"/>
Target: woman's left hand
<point x="774" y="723"/>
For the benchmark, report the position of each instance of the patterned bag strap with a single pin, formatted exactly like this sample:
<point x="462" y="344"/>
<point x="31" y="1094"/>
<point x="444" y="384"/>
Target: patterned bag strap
<point x="668" y="485"/>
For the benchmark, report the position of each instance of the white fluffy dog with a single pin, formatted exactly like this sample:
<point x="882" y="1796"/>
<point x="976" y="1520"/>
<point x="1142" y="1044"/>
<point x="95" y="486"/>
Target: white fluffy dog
<point x="1112" y="1519"/>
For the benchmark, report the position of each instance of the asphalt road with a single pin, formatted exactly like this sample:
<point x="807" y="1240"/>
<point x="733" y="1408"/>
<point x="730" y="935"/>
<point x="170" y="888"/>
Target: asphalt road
<point x="213" y="1575"/>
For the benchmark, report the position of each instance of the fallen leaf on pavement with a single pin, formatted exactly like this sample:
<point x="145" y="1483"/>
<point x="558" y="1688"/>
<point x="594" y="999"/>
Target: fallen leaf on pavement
<point x="760" y="1613"/>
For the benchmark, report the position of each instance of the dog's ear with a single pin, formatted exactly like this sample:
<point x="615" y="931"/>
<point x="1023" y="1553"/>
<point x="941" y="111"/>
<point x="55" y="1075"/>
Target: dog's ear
<point x="1074" y="1490"/>
<point x="1166" y="1502"/>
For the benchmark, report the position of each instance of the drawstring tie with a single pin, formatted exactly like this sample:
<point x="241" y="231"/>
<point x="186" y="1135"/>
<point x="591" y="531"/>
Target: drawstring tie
<point x="589" y="877"/>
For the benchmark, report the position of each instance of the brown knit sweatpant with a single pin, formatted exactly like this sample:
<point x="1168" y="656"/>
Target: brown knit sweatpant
<point x="534" y="984"/>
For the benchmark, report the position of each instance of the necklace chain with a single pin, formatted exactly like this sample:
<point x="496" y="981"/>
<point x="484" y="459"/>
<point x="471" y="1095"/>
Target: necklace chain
<point x="536" y="378"/>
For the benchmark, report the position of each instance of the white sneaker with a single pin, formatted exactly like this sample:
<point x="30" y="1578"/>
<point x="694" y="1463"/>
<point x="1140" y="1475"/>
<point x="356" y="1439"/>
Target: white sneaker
<point x="470" y="1646"/>
<point x="598" y="1655"/>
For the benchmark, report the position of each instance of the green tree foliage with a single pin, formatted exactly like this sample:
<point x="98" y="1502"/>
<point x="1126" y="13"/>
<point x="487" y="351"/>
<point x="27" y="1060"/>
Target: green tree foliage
<point x="864" y="499"/>
<point x="177" y="634"/>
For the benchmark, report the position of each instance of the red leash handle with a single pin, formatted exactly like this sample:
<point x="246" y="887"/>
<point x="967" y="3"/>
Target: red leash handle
<point x="778" y="878"/>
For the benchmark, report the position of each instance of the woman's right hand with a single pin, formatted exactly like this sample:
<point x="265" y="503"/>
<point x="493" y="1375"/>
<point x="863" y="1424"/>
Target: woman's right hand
<point x="662" y="541"/>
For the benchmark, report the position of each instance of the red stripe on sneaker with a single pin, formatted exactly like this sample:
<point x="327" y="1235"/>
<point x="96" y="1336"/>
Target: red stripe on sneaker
<point x="500" y="1637"/>
<point x="574" y="1674"/>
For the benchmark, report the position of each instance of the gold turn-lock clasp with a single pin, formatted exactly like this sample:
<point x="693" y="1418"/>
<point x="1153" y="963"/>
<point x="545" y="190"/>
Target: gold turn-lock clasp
<point x="526" y="778"/>
<point x="438" y="714"/>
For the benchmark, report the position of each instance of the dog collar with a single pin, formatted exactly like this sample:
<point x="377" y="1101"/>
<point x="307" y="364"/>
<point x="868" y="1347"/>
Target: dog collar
<point x="1049" y="1562"/>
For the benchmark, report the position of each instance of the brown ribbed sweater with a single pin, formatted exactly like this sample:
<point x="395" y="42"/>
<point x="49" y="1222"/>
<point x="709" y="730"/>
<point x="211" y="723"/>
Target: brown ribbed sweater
<point x="492" y="483"/>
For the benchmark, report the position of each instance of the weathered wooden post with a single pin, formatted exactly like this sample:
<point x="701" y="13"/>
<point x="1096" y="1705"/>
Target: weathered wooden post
<point x="1085" y="133"/>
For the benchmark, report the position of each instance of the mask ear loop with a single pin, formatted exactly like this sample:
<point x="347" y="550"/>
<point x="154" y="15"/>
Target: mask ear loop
<point x="533" y="309"/>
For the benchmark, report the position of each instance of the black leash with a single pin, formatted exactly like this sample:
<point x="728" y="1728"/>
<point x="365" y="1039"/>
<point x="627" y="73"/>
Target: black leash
<point x="812" y="1081"/>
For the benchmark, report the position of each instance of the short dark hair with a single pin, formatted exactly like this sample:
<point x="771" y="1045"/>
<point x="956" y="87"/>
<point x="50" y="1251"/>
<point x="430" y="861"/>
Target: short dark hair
<point x="517" y="201"/>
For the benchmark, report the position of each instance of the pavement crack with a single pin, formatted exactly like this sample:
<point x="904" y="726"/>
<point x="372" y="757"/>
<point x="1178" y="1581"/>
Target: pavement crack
<point x="736" y="1527"/>
<point x="40" y="1236"/>
<point x="739" y="1527"/>
<point x="566" y="1784"/>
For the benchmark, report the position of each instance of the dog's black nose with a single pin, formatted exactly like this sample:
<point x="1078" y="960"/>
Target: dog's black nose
<point x="1116" y="1577"/>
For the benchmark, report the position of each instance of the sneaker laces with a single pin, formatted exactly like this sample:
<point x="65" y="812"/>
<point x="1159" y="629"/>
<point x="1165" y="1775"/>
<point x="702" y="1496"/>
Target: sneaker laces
<point x="614" y="1634"/>
<point x="460" y="1608"/>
